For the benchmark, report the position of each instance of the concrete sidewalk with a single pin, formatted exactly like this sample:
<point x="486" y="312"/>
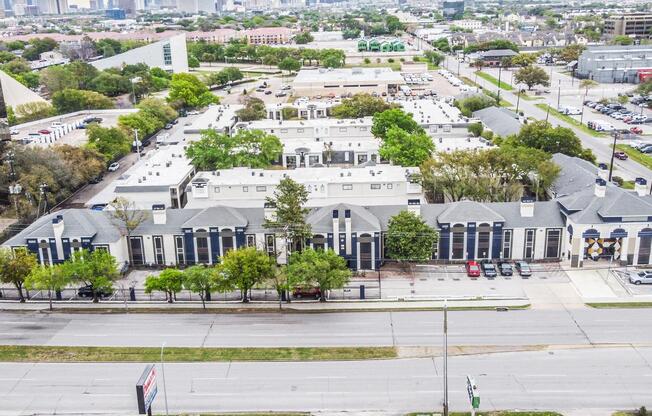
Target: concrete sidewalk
<point x="253" y="307"/>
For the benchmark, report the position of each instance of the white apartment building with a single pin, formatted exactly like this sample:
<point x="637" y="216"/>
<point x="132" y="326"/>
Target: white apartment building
<point x="159" y="178"/>
<point x="338" y="81"/>
<point x="249" y="188"/>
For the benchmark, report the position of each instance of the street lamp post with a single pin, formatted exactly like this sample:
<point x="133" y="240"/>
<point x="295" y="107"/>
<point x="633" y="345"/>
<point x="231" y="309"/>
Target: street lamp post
<point x="558" y="94"/>
<point x="518" y="99"/>
<point x="445" y="359"/>
<point x="165" y="392"/>
<point x="500" y="69"/>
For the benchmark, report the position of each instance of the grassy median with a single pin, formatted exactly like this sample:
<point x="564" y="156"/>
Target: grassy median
<point x="619" y="305"/>
<point x="570" y="120"/>
<point x="28" y="353"/>
<point x="490" y="413"/>
<point x="635" y="155"/>
<point x="503" y="85"/>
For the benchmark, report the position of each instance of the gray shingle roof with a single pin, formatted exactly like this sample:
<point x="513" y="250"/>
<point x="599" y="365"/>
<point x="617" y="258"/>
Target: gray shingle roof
<point x="321" y="219"/>
<point x="546" y="214"/>
<point x="501" y="121"/>
<point x="575" y="175"/>
<point x="465" y="211"/>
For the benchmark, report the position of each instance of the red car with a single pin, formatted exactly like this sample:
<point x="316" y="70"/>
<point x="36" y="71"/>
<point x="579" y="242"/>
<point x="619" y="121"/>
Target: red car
<point x="636" y="130"/>
<point x="621" y="155"/>
<point x="472" y="269"/>
<point x="44" y="131"/>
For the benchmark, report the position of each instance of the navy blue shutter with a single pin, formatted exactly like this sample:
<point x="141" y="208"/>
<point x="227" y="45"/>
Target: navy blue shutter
<point x="470" y="241"/>
<point x="240" y="238"/>
<point x="376" y="251"/>
<point x="444" y="241"/>
<point x="497" y="240"/>
<point x="53" y="251"/>
<point x="354" y="251"/>
<point x="65" y="242"/>
<point x="189" y="245"/>
<point x="215" y="244"/>
<point x="32" y="246"/>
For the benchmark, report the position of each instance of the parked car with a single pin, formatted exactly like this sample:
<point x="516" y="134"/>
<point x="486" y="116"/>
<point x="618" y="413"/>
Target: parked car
<point x="642" y="277"/>
<point x="56" y="125"/>
<point x="268" y="92"/>
<point x="621" y="155"/>
<point x="472" y="269"/>
<point x="44" y="131"/>
<point x="87" y="292"/>
<point x="636" y="130"/>
<point x="114" y="166"/>
<point x="88" y="120"/>
<point x="505" y="268"/>
<point x="488" y="269"/>
<point x="306" y="292"/>
<point x="523" y="269"/>
<point x="96" y="179"/>
<point x="280" y="94"/>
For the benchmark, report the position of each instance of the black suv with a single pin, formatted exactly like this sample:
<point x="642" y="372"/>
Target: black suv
<point x="488" y="269"/>
<point x="87" y="292"/>
<point x="505" y="268"/>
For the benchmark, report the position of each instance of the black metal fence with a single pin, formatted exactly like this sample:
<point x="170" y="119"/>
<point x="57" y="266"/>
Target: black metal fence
<point x="354" y="291"/>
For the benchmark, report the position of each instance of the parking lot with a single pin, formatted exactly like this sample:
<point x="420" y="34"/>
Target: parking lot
<point x="622" y="276"/>
<point x="63" y="129"/>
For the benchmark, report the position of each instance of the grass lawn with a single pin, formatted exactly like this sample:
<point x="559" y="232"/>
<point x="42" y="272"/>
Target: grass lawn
<point x="635" y="155"/>
<point x="503" y="85"/>
<point x="13" y="353"/>
<point x="490" y="413"/>
<point x="469" y="81"/>
<point x="570" y="120"/>
<point x="620" y="305"/>
<point x="396" y="66"/>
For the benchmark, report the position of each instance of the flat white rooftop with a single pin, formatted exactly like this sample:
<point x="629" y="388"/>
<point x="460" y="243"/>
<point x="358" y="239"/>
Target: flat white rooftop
<point x="433" y="111"/>
<point x="217" y="117"/>
<point x="355" y="144"/>
<point x="358" y="74"/>
<point x="364" y="174"/>
<point x="311" y="123"/>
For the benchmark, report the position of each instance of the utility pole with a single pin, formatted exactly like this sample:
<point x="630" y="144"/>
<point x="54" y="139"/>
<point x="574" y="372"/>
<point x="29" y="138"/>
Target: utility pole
<point x="165" y="392"/>
<point x="558" y="95"/>
<point x="613" y="154"/>
<point x="445" y="359"/>
<point x="500" y="70"/>
<point x="137" y="144"/>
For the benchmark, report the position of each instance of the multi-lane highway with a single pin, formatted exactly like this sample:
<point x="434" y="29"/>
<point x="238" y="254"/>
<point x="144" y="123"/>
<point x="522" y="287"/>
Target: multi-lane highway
<point x="561" y="379"/>
<point x="514" y="328"/>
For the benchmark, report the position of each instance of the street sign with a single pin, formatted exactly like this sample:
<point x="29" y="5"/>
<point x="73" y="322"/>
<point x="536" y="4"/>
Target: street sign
<point x="473" y="392"/>
<point x="146" y="389"/>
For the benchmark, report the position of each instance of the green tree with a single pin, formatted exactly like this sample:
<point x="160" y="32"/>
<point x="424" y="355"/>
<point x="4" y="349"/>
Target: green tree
<point x="254" y="109"/>
<point x="409" y="238"/>
<point x="169" y="281"/>
<point x="111" y="142"/>
<point x="360" y="105"/>
<point x="543" y="136"/>
<point x="193" y="62"/>
<point x="320" y="268"/>
<point x="158" y="109"/>
<point x="110" y="84"/>
<point x="394" y="117"/>
<point x="251" y="148"/>
<point x="52" y="279"/>
<point x="201" y="280"/>
<point x="97" y="269"/>
<point x="571" y="52"/>
<point x="622" y="40"/>
<point x="189" y="91"/>
<point x="475" y="129"/>
<point x="289" y="64"/>
<point x="125" y="215"/>
<point x="246" y="267"/>
<point x="15" y="267"/>
<point x="406" y="149"/>
<point x="433" y="57"/>
<point x="303" y="37"/>
<point x="531" y="76"/>
<point x="33" y="111"/>
<point x="523" y="59"/>
<point x="289" y="218"/>
<point x="68" y="101"/>
<point x="57" y="78"/>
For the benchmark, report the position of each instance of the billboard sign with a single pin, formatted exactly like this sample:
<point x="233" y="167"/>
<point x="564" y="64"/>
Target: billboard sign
<point x="146" y="389"/>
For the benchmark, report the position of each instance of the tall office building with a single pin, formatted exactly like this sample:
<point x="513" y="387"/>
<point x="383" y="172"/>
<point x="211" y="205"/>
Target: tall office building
<point x="52" y="6"/>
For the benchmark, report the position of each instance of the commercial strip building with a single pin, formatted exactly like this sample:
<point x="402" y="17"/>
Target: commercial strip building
<point x="587" y="220"/>
<point x="338" y="81"/>
<point x="632" y="24"/>
<point x="616" y="64"/>
<point x="168" y="54"/>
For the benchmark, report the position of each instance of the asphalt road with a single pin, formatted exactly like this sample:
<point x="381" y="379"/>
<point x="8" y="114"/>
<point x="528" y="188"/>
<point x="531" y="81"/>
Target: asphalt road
<point x="514" y="328"/>
<point x="611" y="378"/>
<point x="602" y="147"/>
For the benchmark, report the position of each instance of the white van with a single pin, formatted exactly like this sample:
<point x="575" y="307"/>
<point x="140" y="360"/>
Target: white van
<point x="56" y="125"/>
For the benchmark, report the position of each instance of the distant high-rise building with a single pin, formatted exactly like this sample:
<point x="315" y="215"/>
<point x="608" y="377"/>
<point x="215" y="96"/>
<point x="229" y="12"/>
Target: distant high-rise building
<point x="52" y="6"/>
<point x="453" y="9"/>
<point x="196" y="6"/>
